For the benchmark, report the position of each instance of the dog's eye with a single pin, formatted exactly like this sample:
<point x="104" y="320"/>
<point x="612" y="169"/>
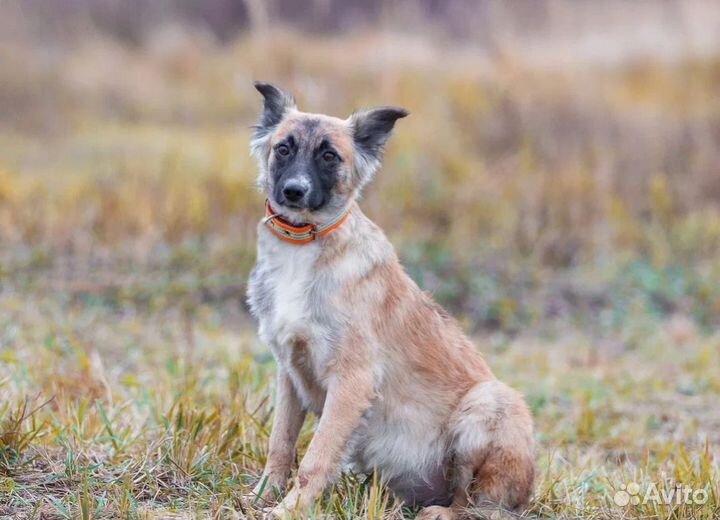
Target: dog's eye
<point x="329" y="156"/>
<point x="282" y="150"/>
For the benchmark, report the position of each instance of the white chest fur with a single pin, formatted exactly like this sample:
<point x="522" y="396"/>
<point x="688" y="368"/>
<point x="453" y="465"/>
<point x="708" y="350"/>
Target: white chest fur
<point x="284" y="293"/>
<point x="293" y="278"/>
<point x="288" y="273"/>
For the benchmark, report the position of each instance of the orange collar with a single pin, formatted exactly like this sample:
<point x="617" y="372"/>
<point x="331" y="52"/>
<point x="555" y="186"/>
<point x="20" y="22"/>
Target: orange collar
<point x="284" y="230"/>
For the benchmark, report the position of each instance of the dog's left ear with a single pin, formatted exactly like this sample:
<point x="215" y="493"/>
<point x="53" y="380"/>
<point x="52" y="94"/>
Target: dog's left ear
<point x="371" y="129"/>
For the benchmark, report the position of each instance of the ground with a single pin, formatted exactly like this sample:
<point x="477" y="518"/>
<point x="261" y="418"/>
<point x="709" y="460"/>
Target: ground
<point x="115" y="410"/>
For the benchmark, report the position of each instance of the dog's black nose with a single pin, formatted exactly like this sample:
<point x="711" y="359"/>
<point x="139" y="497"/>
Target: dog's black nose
<point x="294" y="191"/>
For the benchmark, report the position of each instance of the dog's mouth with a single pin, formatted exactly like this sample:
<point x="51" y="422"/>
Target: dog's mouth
<point x="295" y="212"/>
<point x="308" y="205"/>
<point x="293" y="205"/>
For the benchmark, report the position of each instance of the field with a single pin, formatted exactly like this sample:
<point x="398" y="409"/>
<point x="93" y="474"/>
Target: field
<point x="567" y="213"/>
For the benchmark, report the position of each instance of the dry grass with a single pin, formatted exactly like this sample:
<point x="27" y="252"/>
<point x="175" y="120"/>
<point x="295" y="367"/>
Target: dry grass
<point x="587" y="162"/>
<point x="568" y="215"/>
<point x="112" y="413"/>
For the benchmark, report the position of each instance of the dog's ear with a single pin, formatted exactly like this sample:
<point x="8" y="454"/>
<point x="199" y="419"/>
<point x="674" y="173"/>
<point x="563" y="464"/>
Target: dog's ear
<point x="277" y="102"/>
<point x="371" y="129"/>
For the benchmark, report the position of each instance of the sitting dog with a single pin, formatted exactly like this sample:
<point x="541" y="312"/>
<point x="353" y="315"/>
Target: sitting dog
<point x="396" y="384"/>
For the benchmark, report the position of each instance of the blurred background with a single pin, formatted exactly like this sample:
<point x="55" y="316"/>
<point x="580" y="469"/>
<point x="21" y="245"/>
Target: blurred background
<point x="561" y="164"/>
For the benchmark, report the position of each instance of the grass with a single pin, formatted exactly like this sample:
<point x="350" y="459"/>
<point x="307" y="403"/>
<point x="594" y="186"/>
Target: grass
<point x="572" y="227"/>
<point x="114" y="413"/>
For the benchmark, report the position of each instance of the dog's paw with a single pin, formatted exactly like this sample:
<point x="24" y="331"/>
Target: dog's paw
<point x="436" y="513"/>
<point x="278" y="513"/>
<point x="289" y="508"/>
<point x="282" y="511"/>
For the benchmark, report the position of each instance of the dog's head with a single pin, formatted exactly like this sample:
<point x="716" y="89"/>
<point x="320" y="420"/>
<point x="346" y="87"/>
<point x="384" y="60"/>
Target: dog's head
<point x="312" y="165"/>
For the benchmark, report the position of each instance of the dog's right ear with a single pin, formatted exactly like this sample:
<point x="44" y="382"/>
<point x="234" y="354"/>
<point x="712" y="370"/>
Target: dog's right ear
<point x="277" y="102"/>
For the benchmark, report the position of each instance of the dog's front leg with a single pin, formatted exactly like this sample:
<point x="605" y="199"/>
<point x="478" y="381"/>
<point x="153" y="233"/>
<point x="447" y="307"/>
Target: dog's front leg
<point x="348" y="397"/>
<point x="288" y="418"/>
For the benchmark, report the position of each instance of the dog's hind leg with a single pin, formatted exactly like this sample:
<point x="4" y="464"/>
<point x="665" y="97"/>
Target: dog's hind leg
<point x="493" y="449"/>
<point x="493" y="455"/>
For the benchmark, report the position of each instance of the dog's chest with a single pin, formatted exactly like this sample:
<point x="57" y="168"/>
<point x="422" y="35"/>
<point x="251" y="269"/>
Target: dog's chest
<point x="284" y="296"/>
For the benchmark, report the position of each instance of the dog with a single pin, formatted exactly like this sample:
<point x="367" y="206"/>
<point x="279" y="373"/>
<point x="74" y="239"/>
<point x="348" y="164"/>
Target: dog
<point x="397" y="386"/>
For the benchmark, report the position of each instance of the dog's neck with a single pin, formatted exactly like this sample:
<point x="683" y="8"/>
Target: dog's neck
<point x="303" y="233"/>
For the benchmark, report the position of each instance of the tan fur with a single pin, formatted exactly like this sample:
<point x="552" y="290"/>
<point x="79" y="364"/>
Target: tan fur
<point x="397" y="384"/>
